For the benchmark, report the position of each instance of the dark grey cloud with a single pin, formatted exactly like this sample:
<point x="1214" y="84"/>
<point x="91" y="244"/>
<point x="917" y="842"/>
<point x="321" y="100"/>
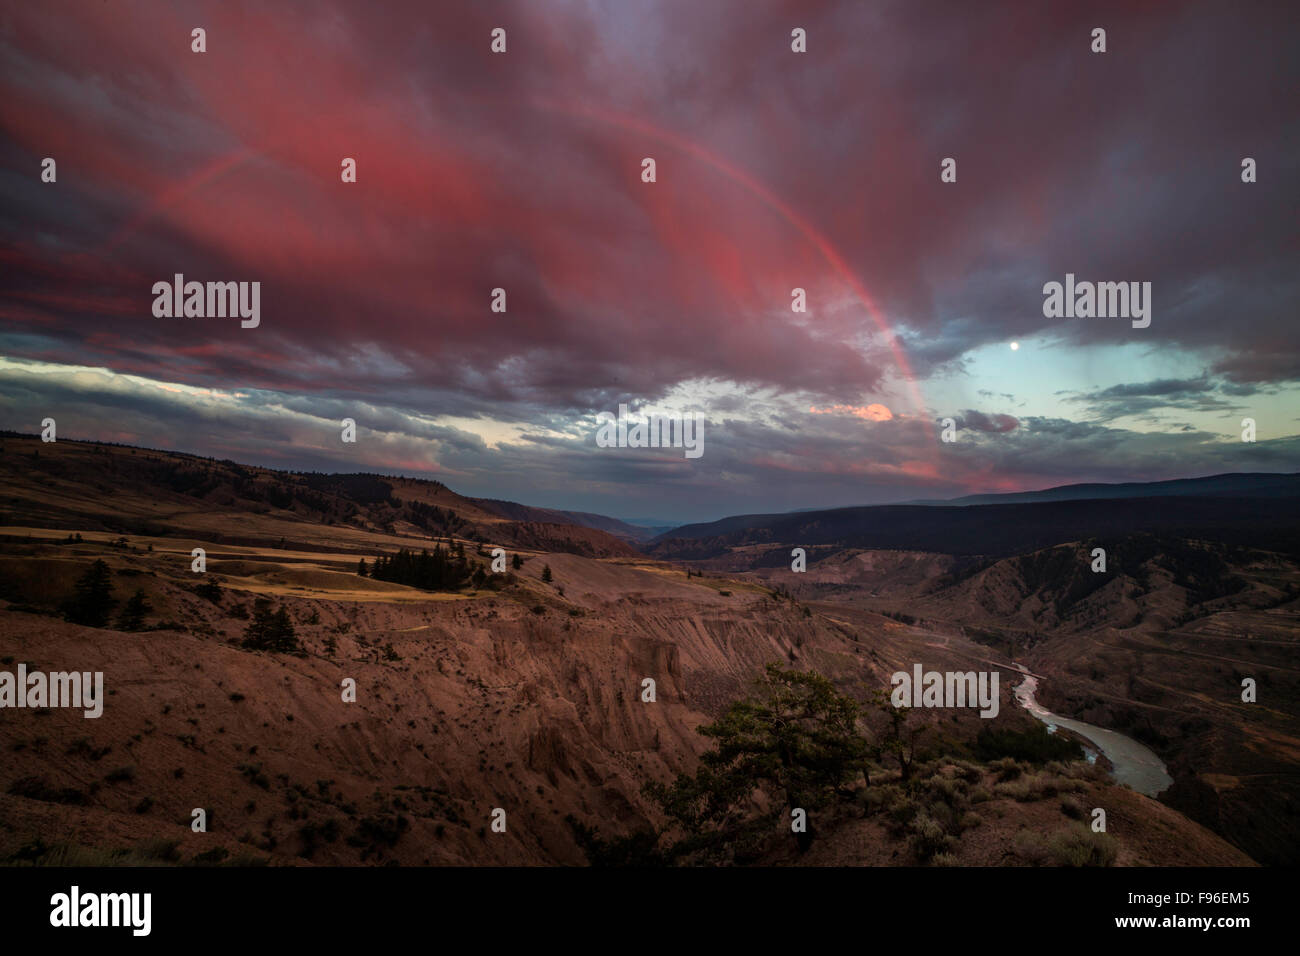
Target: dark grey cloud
<point x="987" y="423"/>
<point x="1202" y="394"/>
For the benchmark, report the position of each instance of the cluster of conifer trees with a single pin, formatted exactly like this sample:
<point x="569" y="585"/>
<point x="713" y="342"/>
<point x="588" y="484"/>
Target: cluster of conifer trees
<point x="439" y="570"/>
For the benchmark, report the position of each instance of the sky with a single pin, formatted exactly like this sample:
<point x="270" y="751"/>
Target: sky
<point x="775" y="170"/>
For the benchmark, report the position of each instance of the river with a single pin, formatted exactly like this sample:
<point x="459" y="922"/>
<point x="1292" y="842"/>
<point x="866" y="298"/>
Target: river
<point x="1133" y="763"/>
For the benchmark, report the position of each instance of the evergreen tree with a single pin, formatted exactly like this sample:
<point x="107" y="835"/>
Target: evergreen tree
<point x="283" y="638"/>
<point x="516" y="562"/>
<point x="431" y="571"/>
<point x="796" y="740"/>
<point x="257" y="631"/>
<point x="546" y="574"/>
<point x="133" y="612"/>
<point x="92" y="602"/>
<point x="268" y="631"/>
<point x="361" y="567"/>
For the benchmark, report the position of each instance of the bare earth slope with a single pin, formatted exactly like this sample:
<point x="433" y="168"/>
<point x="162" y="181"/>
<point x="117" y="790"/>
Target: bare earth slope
<point x="524" y="695"/>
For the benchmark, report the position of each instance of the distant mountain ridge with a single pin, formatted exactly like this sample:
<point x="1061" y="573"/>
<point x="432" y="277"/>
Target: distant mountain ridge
<point x="1235" y="484"/>
<point x="1268" y="521"/>
<point x="63" y="484"/>
<point x="1251" y="484"/>
<point x="519" y="512"/>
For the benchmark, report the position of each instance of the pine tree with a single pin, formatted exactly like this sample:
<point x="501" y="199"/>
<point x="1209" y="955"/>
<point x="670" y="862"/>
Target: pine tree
<point x="361" y="567"/>
<point x="258" y="631"/>
<point x="269" y="631"/>
<point x="133" y="612"/>
<point x="546" y="574"/>
<point x="516" y="562"/>
<point x="93" y="602"/>
<point x="431" y="571"/>
<point x="283" y="638"/>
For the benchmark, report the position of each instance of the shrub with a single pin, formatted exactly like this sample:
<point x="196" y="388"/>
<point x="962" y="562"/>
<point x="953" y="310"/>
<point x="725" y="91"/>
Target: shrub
<point x="950" y="790"/>
<point x="82" y="747"/>
<point x="1079" y="846"/>
<point x="375" y="833"/>
<point x="903" y="810"/>
<point x="211" y="857"/>
<point x="1072" y="808"/>
<point x="253" y="774"/>
<point x="1029" y="788"/>
<point x="929" y="837"/>
<point x="37" y="788"/>
<point x="1007" y="768"/>
<point x="1031" y="847"/>
<point x="875" y="799"/>
<point x="159" y="850"/>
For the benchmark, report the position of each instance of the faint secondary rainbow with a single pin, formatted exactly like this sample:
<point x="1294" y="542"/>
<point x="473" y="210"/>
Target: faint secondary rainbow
<point x="172" y="195"/>
<point x="773" y="202"/>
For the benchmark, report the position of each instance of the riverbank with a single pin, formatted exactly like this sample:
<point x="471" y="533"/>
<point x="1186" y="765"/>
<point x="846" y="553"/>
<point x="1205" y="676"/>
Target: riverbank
<point x="1128" y="761"/>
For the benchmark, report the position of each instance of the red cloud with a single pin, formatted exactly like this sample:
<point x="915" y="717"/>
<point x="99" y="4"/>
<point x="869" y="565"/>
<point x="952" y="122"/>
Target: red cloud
<point x="874" y="412"/>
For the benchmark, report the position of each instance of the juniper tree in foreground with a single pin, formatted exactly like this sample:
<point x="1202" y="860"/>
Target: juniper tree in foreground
<point x="796" y="740"/>
<point x="900" y="739"/>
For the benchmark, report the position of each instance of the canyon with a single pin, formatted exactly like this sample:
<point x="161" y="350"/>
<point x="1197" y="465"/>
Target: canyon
<point x="525" y="694"/>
